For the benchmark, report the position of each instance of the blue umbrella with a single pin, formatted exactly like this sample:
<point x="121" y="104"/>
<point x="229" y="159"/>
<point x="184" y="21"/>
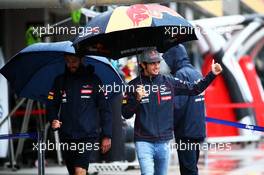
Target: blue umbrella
<point x="32" y="71"/>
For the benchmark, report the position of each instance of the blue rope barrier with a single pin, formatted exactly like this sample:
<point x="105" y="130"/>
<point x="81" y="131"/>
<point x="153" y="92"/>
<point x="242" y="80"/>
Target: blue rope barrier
<point x="208" y="119"/>
<point x="19" y="135"/>
<point x="235" y="124"/>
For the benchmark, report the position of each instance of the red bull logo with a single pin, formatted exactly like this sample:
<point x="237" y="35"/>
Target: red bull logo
<point x="137" y="13"/>
<point x="141" y="12"/>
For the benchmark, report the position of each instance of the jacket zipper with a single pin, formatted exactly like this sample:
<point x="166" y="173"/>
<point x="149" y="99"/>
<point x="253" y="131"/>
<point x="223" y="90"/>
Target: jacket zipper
<point x="155" y="109"/>
<point x="158" y="94"/>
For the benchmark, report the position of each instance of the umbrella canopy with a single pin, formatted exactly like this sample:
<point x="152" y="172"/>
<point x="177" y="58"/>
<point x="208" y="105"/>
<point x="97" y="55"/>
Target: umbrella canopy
<point x="32" y="71"/>
<point x="128" y="30"/>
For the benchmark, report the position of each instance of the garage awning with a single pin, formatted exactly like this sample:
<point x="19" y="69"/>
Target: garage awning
<point x="214" y="7"/>
<point x="255" y="5"/>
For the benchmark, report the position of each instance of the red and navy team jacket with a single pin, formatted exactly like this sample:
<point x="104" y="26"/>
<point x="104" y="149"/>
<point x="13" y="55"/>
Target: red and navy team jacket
<point x="76" y="100"/>
<point x="154" y="112"/>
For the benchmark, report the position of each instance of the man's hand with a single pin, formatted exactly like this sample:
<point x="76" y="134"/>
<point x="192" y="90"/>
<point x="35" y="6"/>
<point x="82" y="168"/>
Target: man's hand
<point x="216" y="68"/>
<point x="56" y="124"/>
<point x="106" y="145"/>
<point x="140" y="92"/>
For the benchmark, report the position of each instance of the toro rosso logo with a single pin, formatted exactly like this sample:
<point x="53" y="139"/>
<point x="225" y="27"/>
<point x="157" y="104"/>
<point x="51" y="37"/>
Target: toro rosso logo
<point x="153" y="54"/>
<point x="141" y="12"/>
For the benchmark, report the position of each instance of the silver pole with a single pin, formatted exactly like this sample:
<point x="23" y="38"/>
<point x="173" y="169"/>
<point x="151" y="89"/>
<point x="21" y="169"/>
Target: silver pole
<point x="11" y="147"/>
<point x="24" y="127"/>
<point x="57" y="141"/>
<point x="41" y="154"/>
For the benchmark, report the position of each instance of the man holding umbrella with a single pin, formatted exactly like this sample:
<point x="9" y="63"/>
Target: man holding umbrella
<point x="151" y="100"/>
<point x="73" y="106"/>
<point x="189" y="111"/>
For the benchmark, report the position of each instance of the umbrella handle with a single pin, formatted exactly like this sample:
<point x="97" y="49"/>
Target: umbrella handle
<point x="139" y="73"/>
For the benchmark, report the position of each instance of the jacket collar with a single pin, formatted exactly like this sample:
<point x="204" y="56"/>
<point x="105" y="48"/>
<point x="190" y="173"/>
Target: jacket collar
<point x="149" y="78"/>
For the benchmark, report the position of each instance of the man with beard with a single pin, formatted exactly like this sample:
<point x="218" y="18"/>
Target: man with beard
<point x="74" y="103"/>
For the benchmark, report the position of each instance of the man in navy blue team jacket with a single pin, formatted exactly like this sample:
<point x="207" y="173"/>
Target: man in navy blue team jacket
<point x="151" y="100"/>
<point x="74" y="103"/>
<point x="189" y="111"/>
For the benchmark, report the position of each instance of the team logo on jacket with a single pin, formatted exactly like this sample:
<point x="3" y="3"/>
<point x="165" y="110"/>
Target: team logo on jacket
<point x="144" y="100"/>
<point x="85" y="93"/>
<point x="106" y="95"/>
<point x="63" y="96"/>
<point x="165" y="98"/>
<point x="199" y="98"/>
<point x="165" y="93"/>
<point x="51" y="95"/>
<point x="124" y="101"/>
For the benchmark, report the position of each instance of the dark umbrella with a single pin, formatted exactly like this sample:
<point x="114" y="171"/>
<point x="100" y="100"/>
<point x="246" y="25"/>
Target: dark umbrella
<point x="128" y="30"/>
<point x="31" y="72"/>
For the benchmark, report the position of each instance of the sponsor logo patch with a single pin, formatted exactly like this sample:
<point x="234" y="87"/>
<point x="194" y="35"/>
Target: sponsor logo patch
<point x="165" y="98"/>
<point x="85" y="96"/>
<point x="86" y="91"/>
<point x="144" y="100"/>
<point x="50" y="97"/>
<point x="63" y="93"/>
<point x="199" y="99"/>
<point x="165" y="93"/>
